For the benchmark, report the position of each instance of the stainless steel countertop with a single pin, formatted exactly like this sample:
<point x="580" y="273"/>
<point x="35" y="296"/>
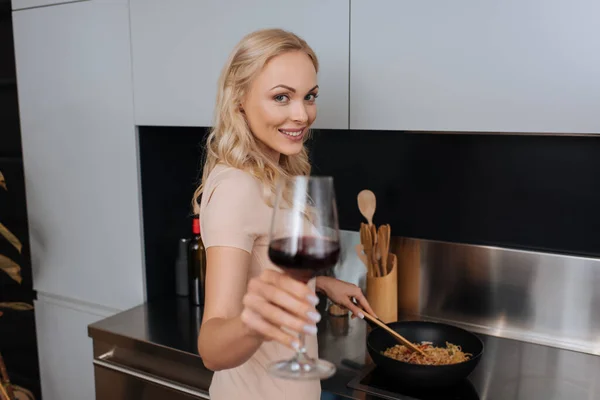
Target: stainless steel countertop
<point x="509" y="369"/>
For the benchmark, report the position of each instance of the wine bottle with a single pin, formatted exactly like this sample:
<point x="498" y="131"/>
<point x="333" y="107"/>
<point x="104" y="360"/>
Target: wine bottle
<point x="196" y="265"/>
<point x="182" y="287"/>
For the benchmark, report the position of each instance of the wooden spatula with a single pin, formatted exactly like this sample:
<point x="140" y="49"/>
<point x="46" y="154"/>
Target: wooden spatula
<point x="395" y="334"/>
<point x="367" y="242"/>
<point x="383" y="246"/>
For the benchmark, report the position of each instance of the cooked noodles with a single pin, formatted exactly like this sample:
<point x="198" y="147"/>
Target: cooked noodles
<point x="451" y="354"/>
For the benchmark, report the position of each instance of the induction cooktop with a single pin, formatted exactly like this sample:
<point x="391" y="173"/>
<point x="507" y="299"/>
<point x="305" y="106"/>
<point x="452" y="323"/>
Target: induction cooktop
<point x="374" y="382"/>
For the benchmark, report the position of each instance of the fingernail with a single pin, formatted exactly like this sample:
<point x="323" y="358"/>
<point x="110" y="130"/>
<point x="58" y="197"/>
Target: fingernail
<point x="362" y="316"/>
<point x="315" y="316"/>
<point x="314" y="300"/>
<point x="296" y="345"/>
<point x="310" y="329"/>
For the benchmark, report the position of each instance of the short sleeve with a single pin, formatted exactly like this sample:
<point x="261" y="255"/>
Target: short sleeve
<point x="229" y="218"/>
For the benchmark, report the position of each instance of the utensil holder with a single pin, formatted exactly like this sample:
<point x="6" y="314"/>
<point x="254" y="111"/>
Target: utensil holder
<point x="382" y="292"/>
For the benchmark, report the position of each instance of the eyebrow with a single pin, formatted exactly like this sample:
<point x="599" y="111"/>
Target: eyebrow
<point x="291" y="89"/>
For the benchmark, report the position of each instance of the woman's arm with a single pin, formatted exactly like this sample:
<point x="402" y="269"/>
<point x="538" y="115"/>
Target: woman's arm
<point x="224" y="340"/>
<point x="238" y="318"/>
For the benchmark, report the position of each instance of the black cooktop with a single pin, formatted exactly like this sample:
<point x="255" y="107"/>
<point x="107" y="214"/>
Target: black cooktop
<point x="376" y="383"/>
<point x="508" y="370"/>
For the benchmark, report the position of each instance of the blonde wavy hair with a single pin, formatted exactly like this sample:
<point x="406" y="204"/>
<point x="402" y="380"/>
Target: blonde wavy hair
<point x="230" y="140"/>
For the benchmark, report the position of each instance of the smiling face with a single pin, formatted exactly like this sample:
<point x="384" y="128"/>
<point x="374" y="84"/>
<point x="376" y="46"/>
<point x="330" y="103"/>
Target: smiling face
<point x="280" y="104"/>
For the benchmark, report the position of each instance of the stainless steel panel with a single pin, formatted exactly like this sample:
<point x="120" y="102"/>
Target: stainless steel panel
<point x="543" y="298"/>
<point x="540" y="297"/>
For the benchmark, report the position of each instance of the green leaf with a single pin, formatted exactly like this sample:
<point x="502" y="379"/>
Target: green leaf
<point x="10" y="237"/>
<point x="11" y="268"/>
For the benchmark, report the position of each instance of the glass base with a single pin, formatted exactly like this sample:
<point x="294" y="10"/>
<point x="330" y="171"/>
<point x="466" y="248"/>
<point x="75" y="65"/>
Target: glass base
<point x="302" y="368"/>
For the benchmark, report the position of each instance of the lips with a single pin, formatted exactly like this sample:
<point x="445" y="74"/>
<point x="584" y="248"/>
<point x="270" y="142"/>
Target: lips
<point x="293" y="133"/>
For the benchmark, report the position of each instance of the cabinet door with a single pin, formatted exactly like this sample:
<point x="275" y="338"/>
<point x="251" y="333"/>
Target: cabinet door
<point x="467" y="65"/>
<point x="65" y="350"/>
<point x="79" y="151"/>
<point x="23" y="4"/>
<point x="180" y="47"/>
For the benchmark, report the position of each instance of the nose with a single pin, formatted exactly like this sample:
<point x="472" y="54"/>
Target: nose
<point x="299" y="113"/>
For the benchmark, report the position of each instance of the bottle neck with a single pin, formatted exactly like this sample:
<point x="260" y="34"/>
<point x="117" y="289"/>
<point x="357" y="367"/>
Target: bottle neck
<point x="196" y="226"/>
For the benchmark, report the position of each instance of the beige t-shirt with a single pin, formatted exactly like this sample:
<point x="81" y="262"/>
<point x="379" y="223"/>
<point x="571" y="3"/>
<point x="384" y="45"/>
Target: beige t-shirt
<point x="233" y="213"/>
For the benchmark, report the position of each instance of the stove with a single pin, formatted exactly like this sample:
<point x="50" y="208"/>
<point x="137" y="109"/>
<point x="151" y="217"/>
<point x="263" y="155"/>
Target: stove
<point x="375" y="383"/>
<point x="508" y="370"/>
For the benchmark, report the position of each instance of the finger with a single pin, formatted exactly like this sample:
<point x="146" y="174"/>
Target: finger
<point x="354" y="309"/>
<point x="298" y="289"/>
<point x="277" y="316"/>
<point x="258" y="324"/>
<point x="287" y="301"/>
<point x="364" y="303"/>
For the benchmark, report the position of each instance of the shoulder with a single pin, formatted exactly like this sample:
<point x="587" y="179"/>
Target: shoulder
<point x="234" y="181"/>
<point x="232" y="211"/>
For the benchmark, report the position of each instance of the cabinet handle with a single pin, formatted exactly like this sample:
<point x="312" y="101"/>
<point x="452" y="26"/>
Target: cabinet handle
<point x="104" y="361"/>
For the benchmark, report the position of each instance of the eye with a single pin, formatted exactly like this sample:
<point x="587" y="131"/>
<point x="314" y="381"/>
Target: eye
<point x="281" y="98"/>
<point x="311" y="97"/>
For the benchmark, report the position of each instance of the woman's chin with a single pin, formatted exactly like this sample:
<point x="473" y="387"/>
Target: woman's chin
<point x="292" y="150"/>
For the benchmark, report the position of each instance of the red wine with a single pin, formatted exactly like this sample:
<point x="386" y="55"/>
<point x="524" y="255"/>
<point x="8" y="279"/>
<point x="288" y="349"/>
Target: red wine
<point x="303" y="257"/>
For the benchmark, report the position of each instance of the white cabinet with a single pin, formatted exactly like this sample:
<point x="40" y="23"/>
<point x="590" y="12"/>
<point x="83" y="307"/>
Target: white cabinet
<point x="471" y="65"/>
<point x="24" y="4"/>
<point x="65" y="350"/>
<point x="179" y="48"/>
<point x="79" y="151"/>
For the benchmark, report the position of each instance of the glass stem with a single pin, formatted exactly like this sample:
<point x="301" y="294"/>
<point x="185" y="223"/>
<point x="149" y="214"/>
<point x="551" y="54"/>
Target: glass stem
<point x="301" y="354"/>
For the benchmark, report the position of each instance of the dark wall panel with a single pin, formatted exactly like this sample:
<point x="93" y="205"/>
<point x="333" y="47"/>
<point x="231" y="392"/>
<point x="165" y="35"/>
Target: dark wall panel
<point x="529" y="192"/>
<point x="169" y="163"/>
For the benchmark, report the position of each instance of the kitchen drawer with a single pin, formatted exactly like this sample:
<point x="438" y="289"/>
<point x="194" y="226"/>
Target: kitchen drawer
<point x="133" y="373"/>
<point x="115" y="385"/>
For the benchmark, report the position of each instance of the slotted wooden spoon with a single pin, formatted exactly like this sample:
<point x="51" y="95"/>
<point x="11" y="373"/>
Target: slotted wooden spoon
<point x="360" y="253"/>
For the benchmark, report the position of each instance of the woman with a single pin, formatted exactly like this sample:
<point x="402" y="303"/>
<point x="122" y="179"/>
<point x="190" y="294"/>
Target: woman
<point x="265" y="107"/>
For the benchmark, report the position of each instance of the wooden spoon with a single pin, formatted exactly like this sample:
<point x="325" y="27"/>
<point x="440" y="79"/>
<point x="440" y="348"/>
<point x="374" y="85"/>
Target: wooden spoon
<point x="366" y="205"/>
<point x="395" y="334"/>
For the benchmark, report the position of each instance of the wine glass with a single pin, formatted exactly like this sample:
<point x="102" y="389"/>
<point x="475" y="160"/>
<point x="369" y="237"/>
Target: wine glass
<point x="304" y="240"/>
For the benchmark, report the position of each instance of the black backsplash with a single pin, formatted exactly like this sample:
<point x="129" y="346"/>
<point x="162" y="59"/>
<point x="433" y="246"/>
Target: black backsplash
<point x="518" y="191"/>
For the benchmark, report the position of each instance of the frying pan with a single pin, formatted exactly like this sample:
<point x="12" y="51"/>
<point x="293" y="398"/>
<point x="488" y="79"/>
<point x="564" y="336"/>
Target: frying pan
<point x="419" y="331"/>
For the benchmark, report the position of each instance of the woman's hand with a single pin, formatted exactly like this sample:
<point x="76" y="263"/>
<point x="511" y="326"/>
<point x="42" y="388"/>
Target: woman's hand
<point x="342" y="293"/>
<point x="275" y="300"/>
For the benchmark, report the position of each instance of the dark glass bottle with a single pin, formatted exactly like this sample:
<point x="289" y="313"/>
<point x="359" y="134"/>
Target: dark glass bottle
<point x="196" y="265"/>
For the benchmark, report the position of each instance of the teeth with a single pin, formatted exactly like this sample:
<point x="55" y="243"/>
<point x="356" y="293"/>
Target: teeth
<point x="291" y="133"/>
